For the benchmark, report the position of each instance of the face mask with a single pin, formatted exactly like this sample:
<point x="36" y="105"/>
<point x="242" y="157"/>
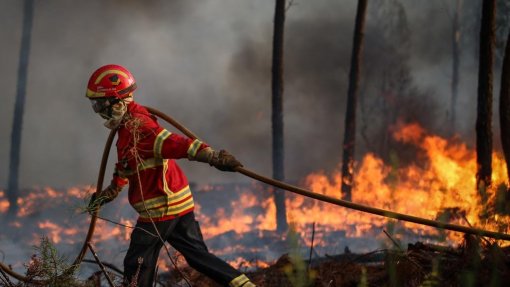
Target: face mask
<point x="117" y="114"/>
<point x="111" y="109"/>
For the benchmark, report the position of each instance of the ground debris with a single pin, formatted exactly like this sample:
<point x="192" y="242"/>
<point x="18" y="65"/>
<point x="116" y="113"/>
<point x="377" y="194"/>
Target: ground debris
<point x="473" y="263"/>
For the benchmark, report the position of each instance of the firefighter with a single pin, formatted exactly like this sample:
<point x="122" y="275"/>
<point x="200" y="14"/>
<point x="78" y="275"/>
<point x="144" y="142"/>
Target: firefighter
<point x="158" y="189"/>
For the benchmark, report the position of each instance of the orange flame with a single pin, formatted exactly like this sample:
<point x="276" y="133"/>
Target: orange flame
<point x="445" y="180"/>
<point x="57" y="233"/>
<point x="440" y="184"/>
<point x="4" y="203"/>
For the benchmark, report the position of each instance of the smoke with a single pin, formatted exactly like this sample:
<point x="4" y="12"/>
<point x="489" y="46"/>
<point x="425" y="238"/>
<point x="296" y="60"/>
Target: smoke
<point x="406" y="75"/>
<point x="172" y="47"/>
<point x="208" y="64"/>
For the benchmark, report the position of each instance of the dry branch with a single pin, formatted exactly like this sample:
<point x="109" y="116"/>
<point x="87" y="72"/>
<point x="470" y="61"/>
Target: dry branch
<point x="100" y="265"/>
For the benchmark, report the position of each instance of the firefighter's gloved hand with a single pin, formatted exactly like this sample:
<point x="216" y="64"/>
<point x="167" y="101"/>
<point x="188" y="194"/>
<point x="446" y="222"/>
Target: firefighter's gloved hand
<point x="102" y="197"/>
<point x="224" y="161"/>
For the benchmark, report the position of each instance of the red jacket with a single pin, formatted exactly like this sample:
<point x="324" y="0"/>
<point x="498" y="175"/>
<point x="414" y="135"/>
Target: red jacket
<point x="146" y="154"/>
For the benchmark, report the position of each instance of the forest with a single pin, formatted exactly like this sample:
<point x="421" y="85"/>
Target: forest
<point x="374" y="138"/>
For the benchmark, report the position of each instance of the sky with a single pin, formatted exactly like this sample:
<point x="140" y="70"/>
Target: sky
<point x="208" y="64"/>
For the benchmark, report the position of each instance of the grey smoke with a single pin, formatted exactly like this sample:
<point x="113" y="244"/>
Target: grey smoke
<point x="207" y="64"/>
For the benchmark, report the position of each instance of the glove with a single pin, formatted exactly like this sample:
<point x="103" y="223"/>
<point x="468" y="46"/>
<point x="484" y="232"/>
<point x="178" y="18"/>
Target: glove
<point x="104" y="196"/>
<point x="224" y="161"/>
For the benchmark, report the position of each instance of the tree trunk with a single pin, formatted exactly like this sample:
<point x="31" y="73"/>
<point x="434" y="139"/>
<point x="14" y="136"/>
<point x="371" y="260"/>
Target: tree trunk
<point x="456" y="34"/>
<point x="277" y="113"/>
<point x="352" y="94"/>
<point x="19" y="106"/>
<point x="504" y="106"/>
<point x="484" y="117"/>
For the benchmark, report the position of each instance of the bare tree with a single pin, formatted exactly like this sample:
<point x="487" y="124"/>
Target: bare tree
<point x="484" y="116"/>
<point x="277" y="113"/>
<point x="352" y="95"/>
<point x="504" y="106"/>
<point x="19" y="106"/>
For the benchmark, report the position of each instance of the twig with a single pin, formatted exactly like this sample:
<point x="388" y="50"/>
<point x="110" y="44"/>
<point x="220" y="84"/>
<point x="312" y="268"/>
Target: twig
<point x="134" y="279"/>
<point x="6" y="279"/>
<point x="393" y="240"/>
<point x="128" y="226"/>
<point x="106" y="264"/>
<point x="290" y="4"/>
<point x="2" y="280"/>
<point x="311" y="246"/>
<point x="100" y="265"/>
<point x="156" y="276"/>
<point x="112" y="267"/>
<point x="480" y="238"/>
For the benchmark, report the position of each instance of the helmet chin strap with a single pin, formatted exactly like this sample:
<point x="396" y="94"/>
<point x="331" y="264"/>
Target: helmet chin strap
<point x="118" y="111"/>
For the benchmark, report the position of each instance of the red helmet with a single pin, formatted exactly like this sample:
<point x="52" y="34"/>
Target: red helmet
<point x="110" y="81"/>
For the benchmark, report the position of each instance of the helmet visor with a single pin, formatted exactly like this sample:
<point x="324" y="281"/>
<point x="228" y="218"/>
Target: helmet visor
<point x="103" y="105"/>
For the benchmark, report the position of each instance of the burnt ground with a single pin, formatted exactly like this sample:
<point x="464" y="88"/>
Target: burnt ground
<point x="476" y="262"/>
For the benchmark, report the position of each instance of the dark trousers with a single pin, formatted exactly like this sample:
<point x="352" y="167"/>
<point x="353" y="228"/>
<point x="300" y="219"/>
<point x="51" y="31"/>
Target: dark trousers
<point x="184" y="234"/>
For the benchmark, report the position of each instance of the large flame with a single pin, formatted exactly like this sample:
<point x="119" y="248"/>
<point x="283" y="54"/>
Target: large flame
<point x="439" y="185"/>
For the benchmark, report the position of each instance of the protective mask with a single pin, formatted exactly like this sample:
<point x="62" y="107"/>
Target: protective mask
<point x="118" y="110"/>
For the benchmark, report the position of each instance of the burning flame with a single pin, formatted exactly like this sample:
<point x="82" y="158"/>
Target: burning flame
<point x="239" y="220"/>
<point x="443" y="181"/>
<point x="4" y="203"/>
<point x="56" y="233"/>
<point x="440" y="185"/>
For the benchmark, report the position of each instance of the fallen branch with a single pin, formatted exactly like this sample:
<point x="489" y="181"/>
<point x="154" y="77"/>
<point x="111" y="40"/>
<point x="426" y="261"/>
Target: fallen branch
<point x="393" y="240"/>
<point x="127" y="226"/>
<point x="6" y="279"/>
<point x="100" y="265"/>
<point x="106" y="264"/>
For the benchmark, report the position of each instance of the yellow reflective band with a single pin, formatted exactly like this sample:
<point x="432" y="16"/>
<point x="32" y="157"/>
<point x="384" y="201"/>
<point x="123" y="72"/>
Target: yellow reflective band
<point x="150" y="163"/>
<point x="162" y="200"/>
<point x="165" y="184"/>
<point x="92" y="94"/>
<point x="146" y="164"/>
<point x="118" y="72"/>
<point x="158" y="143"/>
<point x="193" y="148"/>
<point x="167" y="210"/>
<point x="238" y="281"/>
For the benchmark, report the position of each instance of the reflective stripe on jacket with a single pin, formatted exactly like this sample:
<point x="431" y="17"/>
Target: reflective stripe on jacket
<point x="157" y="186"/>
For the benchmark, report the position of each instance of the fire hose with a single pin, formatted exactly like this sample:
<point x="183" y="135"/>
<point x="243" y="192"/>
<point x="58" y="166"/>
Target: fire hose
<point x="344" y="203"/>
<point x="272" y="182"/>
